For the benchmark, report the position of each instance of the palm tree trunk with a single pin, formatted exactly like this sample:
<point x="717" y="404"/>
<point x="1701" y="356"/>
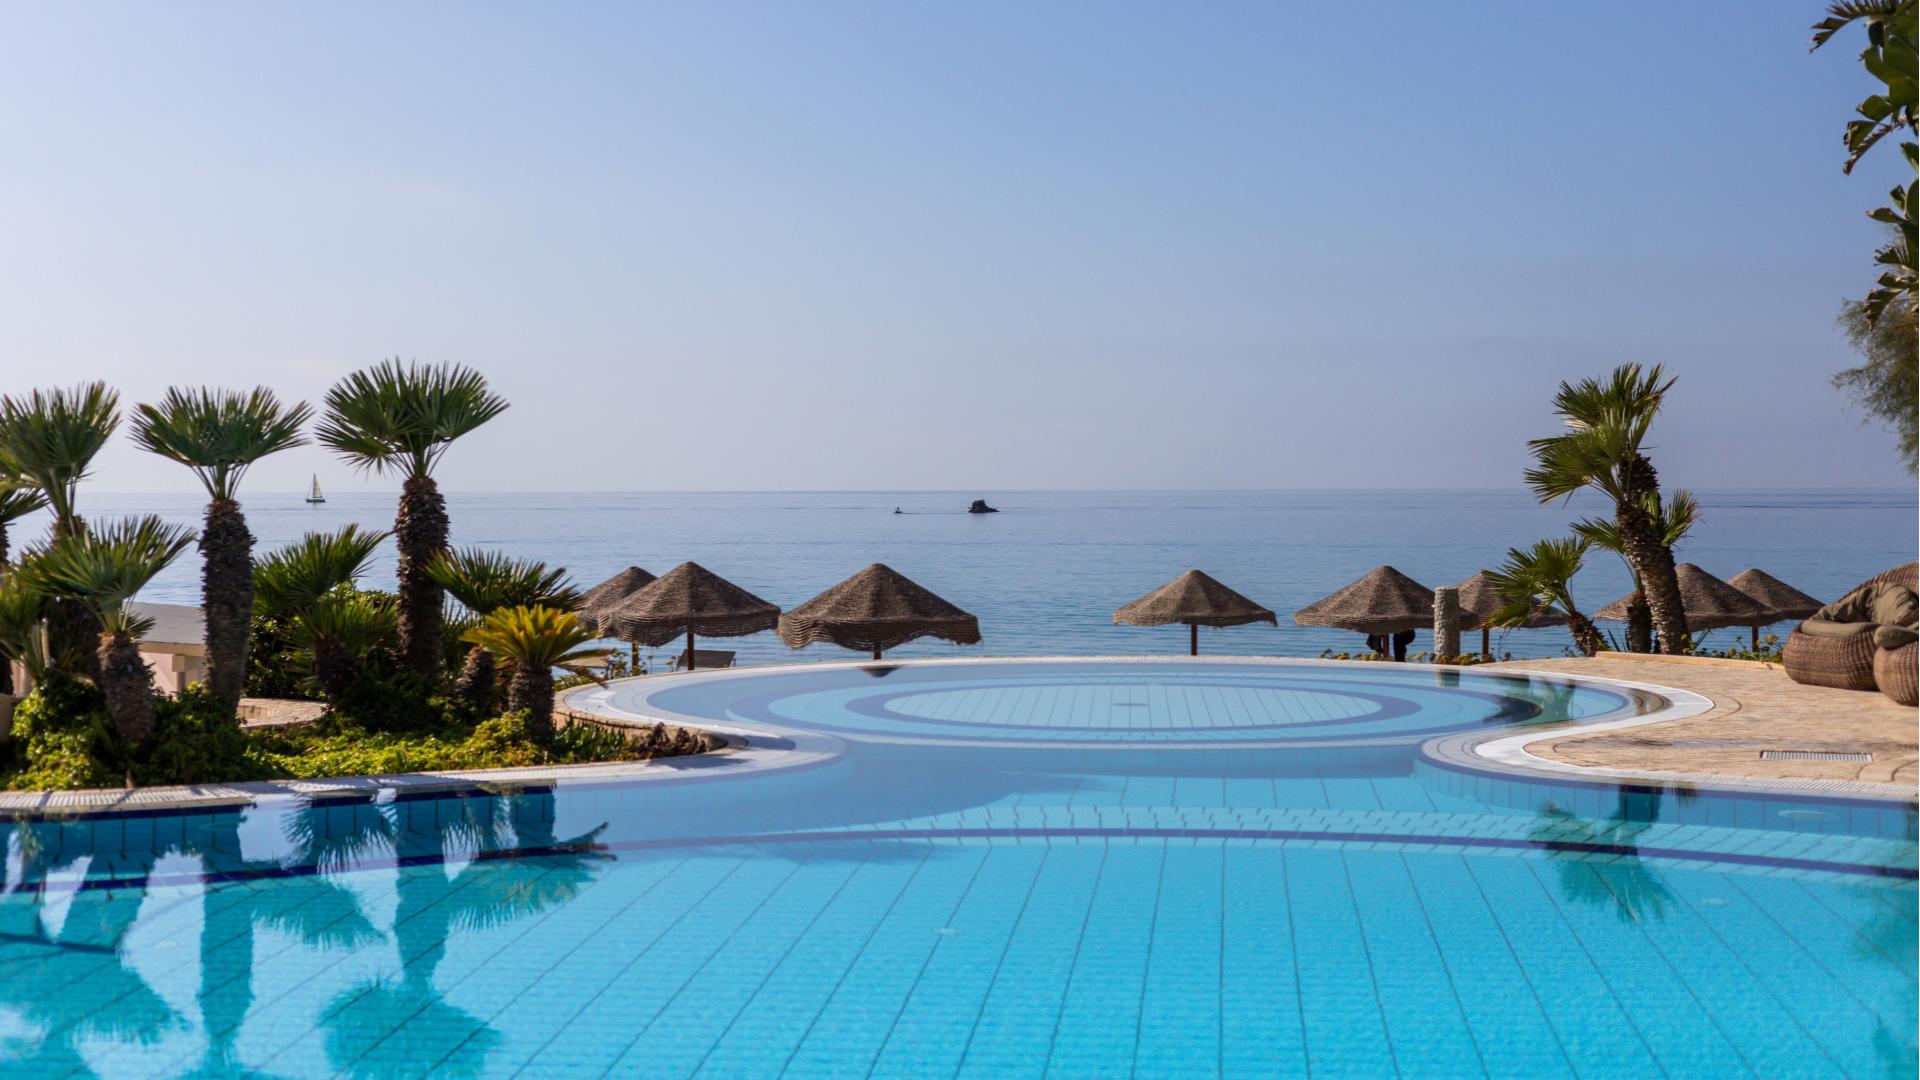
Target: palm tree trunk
<point x="420" y="534"/>
<point x="1585" y="637"/>
<point x="475" y="684"/>
<point x="334" y="668"/>
<point x="1652" y="561"/>
<point x="128" y="686"/>
<point x="1639" y="625"/>
<point x="6" y="661"/>
<point x="226" y="588"/>
<point x="72" y="627"/>
<point x="532" y="690"/>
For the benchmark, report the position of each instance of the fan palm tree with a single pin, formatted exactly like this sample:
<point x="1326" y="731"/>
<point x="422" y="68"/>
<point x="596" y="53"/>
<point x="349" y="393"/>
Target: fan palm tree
<point x="401" y="418"/>
<point x="1673" y="519"/>
<point x="1607" y="422"/>
<point x="338" y="632"/>
<point x="484" y="582"/>
<point x="1542" y="577"/>
<point x="48" y="439"/>
<point x="23" y="629"/>
<point x="103" y="568"/>
<point x="218" y="434"/>
<point x="291" y="579"/>
<point x="535" y="639"/>
<point x="17" y="500"/>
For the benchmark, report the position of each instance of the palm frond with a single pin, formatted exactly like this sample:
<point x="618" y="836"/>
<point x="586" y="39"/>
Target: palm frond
<point x="105" y="566"/>
<point x="291" y="579"/>
<point x="534" y="636"/>
<point x="356" y="622"/>
<point x="218" y="433"/>
<point x="485" y="581"/>
<point x="49" y="438"/>
<point x="395" y="416"/>
<point x="1537" y="577"/>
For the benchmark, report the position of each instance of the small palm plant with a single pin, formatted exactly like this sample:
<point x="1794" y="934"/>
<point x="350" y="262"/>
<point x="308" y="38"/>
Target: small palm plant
<point x="535" y="639"/>
<point x="17" y="500"/>
<point x="484" y="582"/>
<point x="1603" y="447"/>
<point x="339" y="632"/>
<point x="103" y="567"/>
<point x="1542" y="577"/>
<point x="218" y="434"/>
<point x="291" y="579"/>
<point x="48" y="439"/>
<point x="23" y="628"/>
<point x="1673" y="519"/>
<point x="401" y="418"/>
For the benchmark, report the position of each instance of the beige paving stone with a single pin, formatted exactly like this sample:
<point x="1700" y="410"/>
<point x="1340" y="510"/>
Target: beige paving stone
<point x="1755" y="708"/>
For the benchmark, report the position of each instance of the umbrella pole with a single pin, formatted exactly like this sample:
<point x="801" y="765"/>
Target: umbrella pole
<point x="1756" y="639"/>
<point x="1193" y="639"/>
<point x="633" y="659"/>
<point x="876" y="652"/>
<point x="1486" y="644"/>
<point x="690" y="656"/>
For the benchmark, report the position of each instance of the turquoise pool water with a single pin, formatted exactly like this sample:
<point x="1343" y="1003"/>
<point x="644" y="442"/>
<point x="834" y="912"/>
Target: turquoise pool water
<point x="993" y="869"/>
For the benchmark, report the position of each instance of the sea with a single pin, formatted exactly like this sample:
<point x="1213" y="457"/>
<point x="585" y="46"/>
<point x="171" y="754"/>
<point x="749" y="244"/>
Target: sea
<point x="1045" y="574"/>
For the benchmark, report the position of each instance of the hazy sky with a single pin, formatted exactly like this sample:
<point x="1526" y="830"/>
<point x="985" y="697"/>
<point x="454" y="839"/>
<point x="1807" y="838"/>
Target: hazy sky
<point x="967" y="246"/>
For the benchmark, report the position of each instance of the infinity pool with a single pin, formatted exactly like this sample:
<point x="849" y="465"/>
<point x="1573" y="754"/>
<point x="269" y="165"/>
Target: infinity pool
<point x="1080" y="868"/>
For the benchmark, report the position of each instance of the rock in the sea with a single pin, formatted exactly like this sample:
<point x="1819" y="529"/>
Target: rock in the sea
<point x="980" y="507"/>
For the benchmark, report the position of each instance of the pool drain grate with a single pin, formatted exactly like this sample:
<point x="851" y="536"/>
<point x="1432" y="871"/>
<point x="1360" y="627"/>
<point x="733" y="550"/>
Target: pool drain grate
<point x="1813" y="755"/>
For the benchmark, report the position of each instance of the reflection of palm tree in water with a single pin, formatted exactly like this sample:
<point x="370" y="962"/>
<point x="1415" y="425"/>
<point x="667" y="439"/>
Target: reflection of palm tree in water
<point x="41" y="971"/>
<point x="1630" y="887"/>
<point x="485" y="893"/>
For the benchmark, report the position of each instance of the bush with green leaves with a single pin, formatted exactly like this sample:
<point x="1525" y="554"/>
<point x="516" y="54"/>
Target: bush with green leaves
<point x="62" y="738"/>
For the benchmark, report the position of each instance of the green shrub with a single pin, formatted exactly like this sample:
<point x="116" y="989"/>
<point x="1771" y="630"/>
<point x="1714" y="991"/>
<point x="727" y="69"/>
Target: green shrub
<point x="197" y="740"/>
<point x="63" y="738"/>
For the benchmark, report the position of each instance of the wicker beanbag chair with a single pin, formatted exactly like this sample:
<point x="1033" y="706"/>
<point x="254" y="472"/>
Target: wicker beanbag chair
<point x="1836" y="647"/>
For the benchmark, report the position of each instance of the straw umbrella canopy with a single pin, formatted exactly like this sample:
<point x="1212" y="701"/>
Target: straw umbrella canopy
<point x="690" y="599"/>
<point x="1383" y="601"/>
<point x="1782" y="601"/>
<point x="600" y="601"/>
<point x="878" y="608"/>
<point x="1197" y="600"/>
<point x="1710" y="603"/>
<point x="1480" y="602"/>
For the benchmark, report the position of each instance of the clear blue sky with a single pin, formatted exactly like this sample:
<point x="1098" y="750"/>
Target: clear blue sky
<point x="971" y="246"/>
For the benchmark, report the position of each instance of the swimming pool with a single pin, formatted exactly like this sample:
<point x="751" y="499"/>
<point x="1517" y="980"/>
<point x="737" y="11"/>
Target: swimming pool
<point x="992" y="868"/>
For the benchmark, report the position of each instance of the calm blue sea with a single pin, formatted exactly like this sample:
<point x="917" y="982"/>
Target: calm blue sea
<point x="1045" y="574"/>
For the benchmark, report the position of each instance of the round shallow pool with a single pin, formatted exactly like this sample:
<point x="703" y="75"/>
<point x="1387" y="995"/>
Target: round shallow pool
<point x="992" y="869"/>
<point x="1109" y="703"/>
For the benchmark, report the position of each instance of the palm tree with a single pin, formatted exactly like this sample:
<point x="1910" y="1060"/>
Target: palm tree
<point x="291" y="579"/>
<point x="535" y="639"/>
<point x="17" y="500"/>
<point x="218" y="434"/>
<point x="338" y="632"/>
<point x="48" y="440"/>
<point x="23" y="630"/>
<point x="484" y="582"/>
<point x="103" y="568"/>
<point x="1673" y="519"/>
<point x="402" y="417"/>
<point x="1607" y="424"/>
<point x="1542" y="577"/>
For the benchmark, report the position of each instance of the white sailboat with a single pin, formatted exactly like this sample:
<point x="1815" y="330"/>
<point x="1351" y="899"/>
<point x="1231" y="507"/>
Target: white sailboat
<point x="313" y="493"/>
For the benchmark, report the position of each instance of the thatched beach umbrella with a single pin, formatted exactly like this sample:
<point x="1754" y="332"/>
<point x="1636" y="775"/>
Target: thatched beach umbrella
<point x="1480" y="602"/>
<point x="690" y="599"/>
<point x="1710" y="603"/>
<point x="1384" y="601"/>
<point x="1782" y="601"/>
<point x="600" y="601"/>
<point x="1197" y="600"/>
<point x="878" y="609"/>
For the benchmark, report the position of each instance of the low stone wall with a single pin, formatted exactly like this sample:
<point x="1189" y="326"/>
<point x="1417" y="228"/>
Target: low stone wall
<point x="661" y="740"/>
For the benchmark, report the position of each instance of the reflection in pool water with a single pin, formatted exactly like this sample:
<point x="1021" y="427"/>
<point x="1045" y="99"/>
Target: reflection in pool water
<point x="934" y="901"/>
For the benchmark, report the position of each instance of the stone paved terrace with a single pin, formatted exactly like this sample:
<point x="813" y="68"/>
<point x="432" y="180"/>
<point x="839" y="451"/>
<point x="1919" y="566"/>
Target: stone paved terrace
<point x="1756" y="708"/>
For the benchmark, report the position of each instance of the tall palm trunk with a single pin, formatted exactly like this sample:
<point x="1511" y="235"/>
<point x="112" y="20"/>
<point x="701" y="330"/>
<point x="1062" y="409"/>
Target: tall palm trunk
<point x="1652" y="560"/>
<point x="227" y="592"/>
<point x="128" y="686"/>
<point x="334" y="668"/>
<point x="1639" y="624"/>
<point x="475" y="684"/>
<point x="420" y="533"/>
<point x="72" y="625"/>
<point x="6" y="661"/>
<point x="532" y="690"/>
<point x="1585" y="637"/>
